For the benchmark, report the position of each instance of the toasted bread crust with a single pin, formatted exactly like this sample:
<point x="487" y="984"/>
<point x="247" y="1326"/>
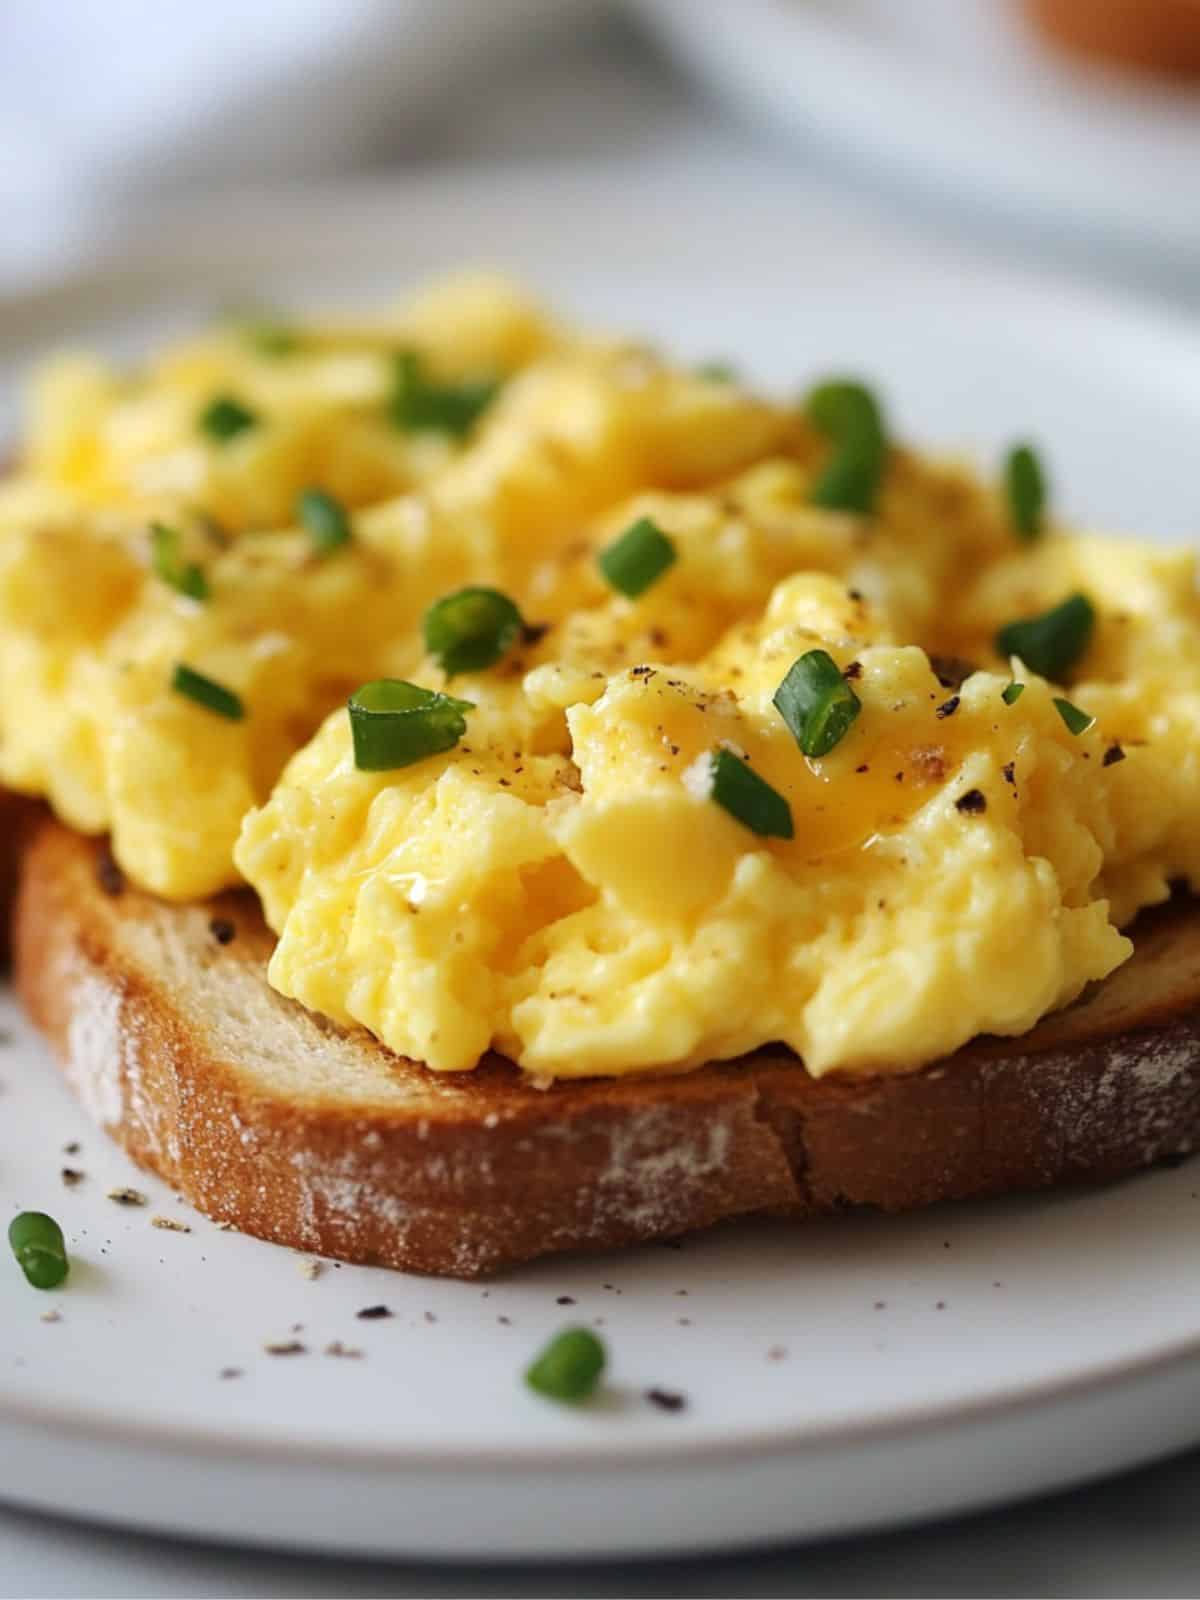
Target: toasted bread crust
<point x="383" y="1161"/>
<point x="17" y="815"/>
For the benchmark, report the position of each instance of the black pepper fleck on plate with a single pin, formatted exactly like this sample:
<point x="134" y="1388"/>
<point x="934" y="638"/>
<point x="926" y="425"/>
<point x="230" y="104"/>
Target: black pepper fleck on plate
<point x="565" y="1300"/>
<point x="373" y="1313"/>
<point x="666" y="1399"/>
<point x="71" y="1176"/>
<point x="231" y="1372"/>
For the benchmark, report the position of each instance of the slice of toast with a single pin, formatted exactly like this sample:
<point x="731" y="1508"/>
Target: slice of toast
<point x="279" y="1122"/>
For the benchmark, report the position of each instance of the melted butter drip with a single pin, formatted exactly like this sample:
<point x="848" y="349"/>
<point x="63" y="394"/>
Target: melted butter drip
<point x="888" y="766"/>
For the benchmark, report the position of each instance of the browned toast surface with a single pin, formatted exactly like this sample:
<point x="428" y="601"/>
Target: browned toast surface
<point x="17" y="815"/>
<point x="288" y="1127"/>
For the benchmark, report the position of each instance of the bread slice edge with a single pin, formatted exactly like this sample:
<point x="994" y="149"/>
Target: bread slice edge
<point x="279" y="1123"/>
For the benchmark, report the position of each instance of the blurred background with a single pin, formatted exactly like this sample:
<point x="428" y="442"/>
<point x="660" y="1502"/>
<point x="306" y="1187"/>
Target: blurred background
<point x="1066" y="130"/>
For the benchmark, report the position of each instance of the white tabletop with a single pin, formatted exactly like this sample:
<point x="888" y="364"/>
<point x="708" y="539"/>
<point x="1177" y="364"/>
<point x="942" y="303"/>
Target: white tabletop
<point x="602" y="96"/>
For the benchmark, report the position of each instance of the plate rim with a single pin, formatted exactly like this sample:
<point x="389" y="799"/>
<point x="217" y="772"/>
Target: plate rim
<point x="174" y="233"/>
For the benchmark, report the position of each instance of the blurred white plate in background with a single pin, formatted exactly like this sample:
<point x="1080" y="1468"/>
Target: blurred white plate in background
<point x="957" y="97"/>
<point x="839" y="1376"/>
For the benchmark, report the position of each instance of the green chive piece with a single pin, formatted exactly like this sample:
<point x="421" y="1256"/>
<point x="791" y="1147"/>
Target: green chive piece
<point x="569" y="1367"/>
<point x="738" y="789"/>
<point x="717" y="371"/>
<point x="1025" y="483"/>
<point x="817" y="703"/>
<point x="206" y="692"/>
<point x="325" y="519"/>
<point x="272" y="339"/>
<point x="1012" y="692"/>
<point x="1077" y="721"/>
<point x="1054" y="641"/>
<point x="471" y="629"/>
<point x="638" y="558"/>
<point x="167" y="555"/>
<point x="394" y="724"/>
<point x="224" y="417"/>
<point x="850" y="416"/>
<point x="41" y="1252"/>
<point x="419" y="404"/>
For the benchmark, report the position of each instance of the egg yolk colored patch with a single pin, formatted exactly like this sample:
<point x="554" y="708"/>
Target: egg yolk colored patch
<point x="565" y="885"/>
<point x="560" y="888"/>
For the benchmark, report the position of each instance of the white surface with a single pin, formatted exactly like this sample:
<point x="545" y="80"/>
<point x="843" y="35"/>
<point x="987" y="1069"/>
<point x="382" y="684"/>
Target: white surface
<point x="957" y="98"/>
<point x="102" y="103"/>
<point x="1068" y="1339"/>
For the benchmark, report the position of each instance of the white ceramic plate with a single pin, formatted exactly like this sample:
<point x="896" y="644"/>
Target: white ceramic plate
<point x="960" y="100"/>
<point x="837" y="1376"/>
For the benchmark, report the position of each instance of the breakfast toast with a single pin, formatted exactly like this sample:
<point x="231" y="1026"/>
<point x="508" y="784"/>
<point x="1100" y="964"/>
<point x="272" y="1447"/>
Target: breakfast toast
<point x="276" y="1121"/>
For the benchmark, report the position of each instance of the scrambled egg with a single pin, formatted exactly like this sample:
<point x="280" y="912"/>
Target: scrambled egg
<point x="564" y="884"/>
<point x="90" y="634"/>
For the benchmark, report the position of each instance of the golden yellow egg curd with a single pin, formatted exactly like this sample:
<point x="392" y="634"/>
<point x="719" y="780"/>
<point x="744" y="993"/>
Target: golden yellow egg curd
<point x="563" y="700"/>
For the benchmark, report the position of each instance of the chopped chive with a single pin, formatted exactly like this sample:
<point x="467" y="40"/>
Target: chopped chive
<point x="749" y="799"/>
<point x="1054" y="641"/>
<point x="224" y="417"/>
<point x="1025" y="483"/>
<point x="471" y="629"/>
<point x="325" y="519"/>
<point x="206" y="692"/>
<point x="569" y="1367"/>
<point x="849" y="415"/>
<point x="41" y="1252"/>
<point x="717" y="371"/>
<point x="638" y="558"/>
<point x="817" y="703"/>
<point x="1012" y="692"/>
<point x="1077" y="721"/>
<point x="167" y="556"/>
<point x="394" y="724"/>
<point x="419" y="404"/>
<point x="271" y="338"/>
